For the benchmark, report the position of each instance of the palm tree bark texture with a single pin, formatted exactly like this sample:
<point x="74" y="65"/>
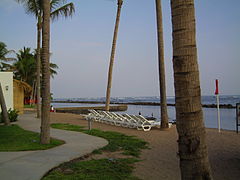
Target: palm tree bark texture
<point x="109" y="85"/>
<point x="193" y="153"/>
<point x="45" y="118"/>
<point x="162" y="83"/>
<point x="39" y="27"/>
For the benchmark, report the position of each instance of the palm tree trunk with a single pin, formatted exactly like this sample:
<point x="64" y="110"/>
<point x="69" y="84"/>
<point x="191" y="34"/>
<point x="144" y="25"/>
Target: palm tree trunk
<point x="45" y="119"/>
<point x="162" y="83"/>
<point x="194" y="163"/>
<point x="4" y="108"/>
<point x="38" y="65"/>
<point x="109" y="85"/>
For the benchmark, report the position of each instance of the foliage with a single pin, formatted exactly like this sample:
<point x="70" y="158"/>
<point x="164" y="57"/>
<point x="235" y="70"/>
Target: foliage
<point x="3" y="57"/>
<point x="117" y="141"/>
<point x="12" y="115"/>
<point x="25" y="66"/>
<point x="58" y="8"/>
<point x="14" y="138"/>
<point x="102" y="169"/>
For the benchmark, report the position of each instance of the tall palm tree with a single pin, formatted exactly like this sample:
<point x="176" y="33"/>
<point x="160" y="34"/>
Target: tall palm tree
<point x="109" y="85"/>
<point x="45" y="118"/>
<point x="194" y="163"/>
<point x="162" y="83"/>
<point x="57" y="8"/>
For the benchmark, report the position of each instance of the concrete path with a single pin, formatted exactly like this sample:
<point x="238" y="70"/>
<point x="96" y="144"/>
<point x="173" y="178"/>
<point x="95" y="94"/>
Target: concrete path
<point x="32" y="165"/>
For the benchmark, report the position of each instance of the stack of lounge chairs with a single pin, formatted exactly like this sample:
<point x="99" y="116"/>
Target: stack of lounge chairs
<point x="130" y="121"/>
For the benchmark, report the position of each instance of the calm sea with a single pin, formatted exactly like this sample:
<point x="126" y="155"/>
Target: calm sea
<point x="228" y="116"/>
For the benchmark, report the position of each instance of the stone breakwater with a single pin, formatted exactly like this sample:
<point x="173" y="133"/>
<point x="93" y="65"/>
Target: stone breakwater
<point x="85" y="110"/>
<point x="225" y="106"/>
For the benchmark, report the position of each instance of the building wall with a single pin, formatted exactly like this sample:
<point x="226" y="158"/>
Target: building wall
<point x="6" y="80"/>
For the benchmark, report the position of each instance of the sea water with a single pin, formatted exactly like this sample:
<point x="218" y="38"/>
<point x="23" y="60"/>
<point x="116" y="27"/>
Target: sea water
<point x="228" y="116"/>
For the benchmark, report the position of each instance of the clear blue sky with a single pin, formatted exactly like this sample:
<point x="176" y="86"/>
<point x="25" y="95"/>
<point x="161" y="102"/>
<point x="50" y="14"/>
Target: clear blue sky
<point x="81" y="46"/>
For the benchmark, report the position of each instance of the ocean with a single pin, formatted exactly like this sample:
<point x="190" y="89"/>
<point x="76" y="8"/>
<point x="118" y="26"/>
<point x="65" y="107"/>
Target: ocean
<point x="228" y="116"/>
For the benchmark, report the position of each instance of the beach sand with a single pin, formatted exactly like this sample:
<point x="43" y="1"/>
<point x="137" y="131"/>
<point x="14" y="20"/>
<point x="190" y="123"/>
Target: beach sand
<point x="161" y="161"/>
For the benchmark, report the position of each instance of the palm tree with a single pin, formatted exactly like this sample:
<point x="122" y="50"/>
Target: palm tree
<point x="25" y="66"/>
<point x="45" y="118"/>
<point x="57" y="8"/>
<point x="163" y="99"/>
<point x="109" y="85"/>
<point x="194" y="163"/>
<point x="4" y="52"/>
<point x="3" y="57"/>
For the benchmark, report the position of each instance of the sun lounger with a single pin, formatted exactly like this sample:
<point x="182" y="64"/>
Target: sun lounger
<point x="94" y="115"/>
<point x="124" y="120"/>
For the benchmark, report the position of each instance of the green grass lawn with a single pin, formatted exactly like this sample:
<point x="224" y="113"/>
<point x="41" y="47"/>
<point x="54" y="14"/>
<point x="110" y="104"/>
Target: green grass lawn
<point x="101" y="169"/>
<point x="130" y="145"/>
<point x="29" y="106"/>
<point x="14" y="138"/>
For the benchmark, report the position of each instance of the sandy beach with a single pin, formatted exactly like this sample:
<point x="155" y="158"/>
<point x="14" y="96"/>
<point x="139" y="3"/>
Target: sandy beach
<point x="161" y="161"/>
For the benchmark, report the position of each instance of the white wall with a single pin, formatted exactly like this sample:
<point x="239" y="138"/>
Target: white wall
<point x="6" y="80"/>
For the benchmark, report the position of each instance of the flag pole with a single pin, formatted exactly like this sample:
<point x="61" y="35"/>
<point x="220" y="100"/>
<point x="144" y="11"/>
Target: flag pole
<point x="218" y="109"/>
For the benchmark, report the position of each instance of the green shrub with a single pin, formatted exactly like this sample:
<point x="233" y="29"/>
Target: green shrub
<point x="12" y="115"/>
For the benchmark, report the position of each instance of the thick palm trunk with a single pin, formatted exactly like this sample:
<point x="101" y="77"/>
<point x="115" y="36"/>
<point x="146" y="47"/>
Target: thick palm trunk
<point x="162" y="83"/>
<point x="109" y="85"/>
<point x="45" y="119"/>
<point x="38" y="65"/>
<point x="193" y="152"/>
<point x="4" y="108"/>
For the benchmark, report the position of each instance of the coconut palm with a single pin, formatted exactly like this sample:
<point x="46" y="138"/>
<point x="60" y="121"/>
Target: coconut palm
<point x="162" y="83"/>
<point x="4" y="52"/>
<point x="194" y="163"/>
<point x="57" y="8"/>
<point x="109" y="85"/>
<point x="45" y="118"/>
<point x="24" y="67"/>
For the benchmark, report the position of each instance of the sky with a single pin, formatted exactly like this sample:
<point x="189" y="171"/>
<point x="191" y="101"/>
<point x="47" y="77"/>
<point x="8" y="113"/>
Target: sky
<point x="81" y="46"/>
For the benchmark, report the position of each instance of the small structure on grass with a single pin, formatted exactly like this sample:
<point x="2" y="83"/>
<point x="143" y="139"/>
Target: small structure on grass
<point x="20" y="88"/>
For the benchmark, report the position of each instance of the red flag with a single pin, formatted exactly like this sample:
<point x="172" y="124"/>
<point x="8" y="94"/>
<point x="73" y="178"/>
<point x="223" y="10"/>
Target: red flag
<point x="216" y="91"/>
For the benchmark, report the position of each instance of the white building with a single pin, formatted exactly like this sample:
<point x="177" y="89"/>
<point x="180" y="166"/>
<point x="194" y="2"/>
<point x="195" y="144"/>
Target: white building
<point x="6" y="80"/>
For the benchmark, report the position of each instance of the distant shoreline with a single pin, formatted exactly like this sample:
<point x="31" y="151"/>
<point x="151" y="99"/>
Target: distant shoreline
<point x="224" y="106"/>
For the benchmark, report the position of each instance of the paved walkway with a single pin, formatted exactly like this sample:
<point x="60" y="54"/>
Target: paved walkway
<point x="32" y="165"/>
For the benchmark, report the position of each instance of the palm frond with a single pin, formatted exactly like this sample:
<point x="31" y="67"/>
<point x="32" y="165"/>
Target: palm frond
<point x="66" y="11"/>
<point x="53" y="66"/>
<point x="4" y="52"/>
<point x="31" y="6"/>
<point x="54" y="4"/>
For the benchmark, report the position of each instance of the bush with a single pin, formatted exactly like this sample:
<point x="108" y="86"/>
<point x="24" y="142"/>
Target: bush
<point x="12" y="115"/>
